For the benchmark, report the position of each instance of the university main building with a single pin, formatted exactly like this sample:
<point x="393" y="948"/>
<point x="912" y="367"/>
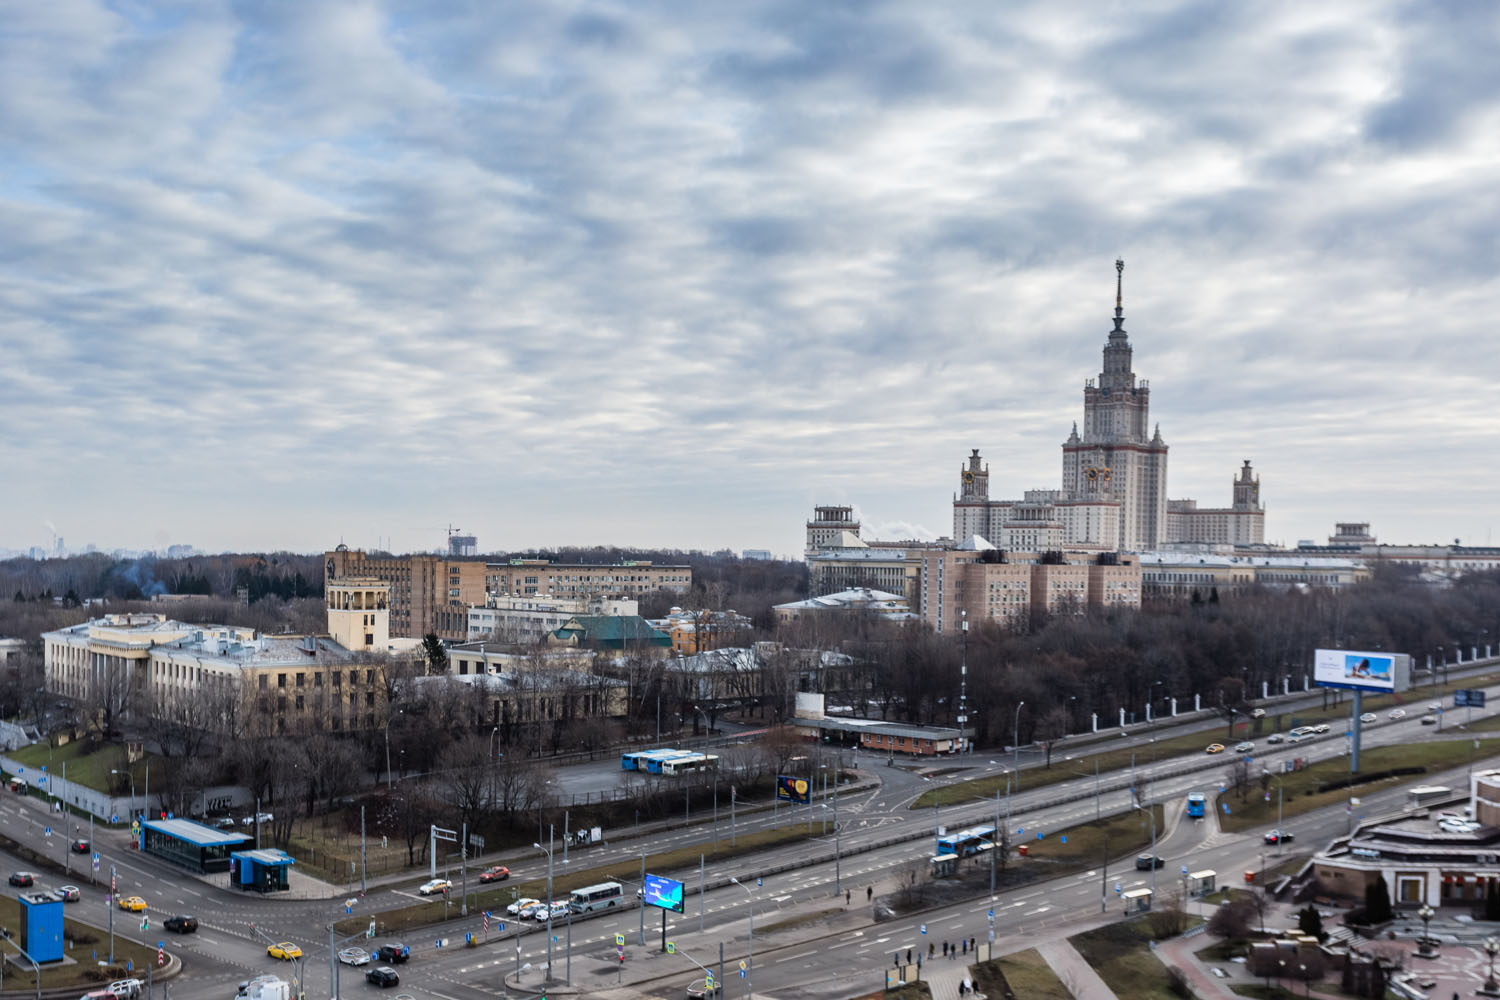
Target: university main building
<point x="1114" y="479"/>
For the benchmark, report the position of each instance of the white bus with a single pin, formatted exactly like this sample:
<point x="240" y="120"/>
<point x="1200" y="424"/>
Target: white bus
<point x="689" y="763"/>
<point x="596" y="897"/>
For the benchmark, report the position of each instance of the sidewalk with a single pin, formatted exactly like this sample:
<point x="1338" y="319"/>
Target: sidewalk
<point x="1075" y="973"/>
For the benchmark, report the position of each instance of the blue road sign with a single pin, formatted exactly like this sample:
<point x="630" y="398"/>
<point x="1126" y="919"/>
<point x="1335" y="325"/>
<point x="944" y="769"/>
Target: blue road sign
<point x="992" y="910"/>
<point x="1184" y="869"/>
<point x="924" y="928"/>
<point x="758" y="882"/>
<point x="1065" y="838"/>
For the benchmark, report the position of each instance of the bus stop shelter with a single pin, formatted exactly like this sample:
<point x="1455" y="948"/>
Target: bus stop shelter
<point x="1202" y="883"/>
<point x="196" y="847"/>
<point x="1136" y="901"/>
<point x="260" y="870"/>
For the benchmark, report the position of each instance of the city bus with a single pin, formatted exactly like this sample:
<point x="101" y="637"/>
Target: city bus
<point x="656" y="764"/>
<point x="966" y="842"/>
<point x="689" y="763"/>
<point x="1195" y="805"/>
<point x="637" y="760"/>
<point x="596" y="897"/>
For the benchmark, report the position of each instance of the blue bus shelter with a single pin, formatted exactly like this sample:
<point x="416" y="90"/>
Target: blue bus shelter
<point x="260" y="870"/>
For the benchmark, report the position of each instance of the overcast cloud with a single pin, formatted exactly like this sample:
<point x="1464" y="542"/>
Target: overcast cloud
<point x="276" y="274"/>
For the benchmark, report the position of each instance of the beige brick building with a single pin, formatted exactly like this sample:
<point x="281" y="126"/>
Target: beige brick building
<point x="428" y="593"/>
<point x="988" y="584"/>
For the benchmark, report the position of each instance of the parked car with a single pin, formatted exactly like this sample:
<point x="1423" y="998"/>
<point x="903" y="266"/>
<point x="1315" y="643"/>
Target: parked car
<point x="254" y="818"/>
<point x="284" y="950"/>
<point x="80" y="847"/>
<point x="135" y="904"/>
<point x="1367" y="718"/>
<point x="68" y="893"/>
<point x="1452" y="825"/>
<point x="1278" y="837"/>
<point x="435" y="885"/>
<point x="1244" y="747"/>
<point x="181" y="924"/>
<point x="1146" y="862"/>
<point x="1396" y="713"/>
<point x="223" y="823"/>
<point x="383" y="976"/>
<point x="1275" y="738"/>
<point x="394" y="952"/>
<point x="1214" y="748"/>
<point x="354" y="956"/>
<point x="495" y="873"/>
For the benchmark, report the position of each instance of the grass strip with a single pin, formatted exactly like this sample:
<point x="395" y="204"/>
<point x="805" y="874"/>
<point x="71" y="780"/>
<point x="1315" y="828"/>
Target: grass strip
<point x="1027" y="974"/>
<point x="1082" y="765"/>
<point x="404" y="918"/>
<point x="1299" y="789"/>
<point x="1119" y="954"/>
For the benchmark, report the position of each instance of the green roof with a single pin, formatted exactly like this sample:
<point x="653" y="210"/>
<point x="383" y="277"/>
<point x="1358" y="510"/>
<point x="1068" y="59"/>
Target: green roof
<point x="615" y="631"/>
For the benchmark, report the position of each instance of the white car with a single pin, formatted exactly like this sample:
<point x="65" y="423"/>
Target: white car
<point x="1367" y="718"/>
<point x="530" y="910"/>
<point x="253" y="818"/>
<point x="354" y="956"/>
<point x="514" y="909"/>
<point x="434" y="886"/>
<point x="1449" y="825"/>
<point x="1396" y="713"/>
<point x="559" y="911"/>
<point x="1303" y="731"/>
<point x="1244" y="747"/>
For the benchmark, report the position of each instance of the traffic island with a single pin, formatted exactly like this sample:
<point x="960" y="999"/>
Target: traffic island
<point x="85" y="961"/>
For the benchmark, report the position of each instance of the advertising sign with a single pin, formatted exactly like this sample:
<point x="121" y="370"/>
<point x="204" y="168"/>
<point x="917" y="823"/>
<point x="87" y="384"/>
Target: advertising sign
<point x="1364" y="671"/>
<point x="793" y="789"/>
<point x="663" y="892"/>
<point x="1468" y="698"/>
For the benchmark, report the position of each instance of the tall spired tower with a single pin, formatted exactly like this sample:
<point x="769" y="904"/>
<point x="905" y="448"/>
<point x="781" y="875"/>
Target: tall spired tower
<point x="1115" y="459"/>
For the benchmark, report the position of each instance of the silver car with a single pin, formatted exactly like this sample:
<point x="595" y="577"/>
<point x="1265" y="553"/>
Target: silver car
<point x="354" y="956"/>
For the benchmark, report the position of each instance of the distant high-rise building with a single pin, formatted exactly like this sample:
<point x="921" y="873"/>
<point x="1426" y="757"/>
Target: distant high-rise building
<point x="827" y="525"/>
<point x="463" y="545"/>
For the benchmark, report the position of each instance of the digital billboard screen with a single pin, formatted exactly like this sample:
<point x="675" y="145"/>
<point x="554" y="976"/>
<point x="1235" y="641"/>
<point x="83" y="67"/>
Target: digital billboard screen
<point x="663" y="892"/>
<point x="1348" y="668"/>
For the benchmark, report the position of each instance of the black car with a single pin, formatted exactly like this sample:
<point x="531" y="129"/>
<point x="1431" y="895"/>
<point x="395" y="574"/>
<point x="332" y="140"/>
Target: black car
<point x="1146" y="862"/>
<point x="79" y="847"/>
<point x="395" y="953"/>
<point x="1278" y="837"/>
<point x="383" y="976"/>
<point x="181" y="924"/>
<point x="22" y="879"/>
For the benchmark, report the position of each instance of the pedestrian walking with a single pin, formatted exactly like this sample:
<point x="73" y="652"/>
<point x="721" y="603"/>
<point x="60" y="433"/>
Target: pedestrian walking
<point x="945" y="949"/>
<point x="847" y="895"/>
<point x="965" y="946"/>
<point x="908" y="956"/>
<point x="930" y="949"/>
<point x="960" y="989"/>
<point x="971" y="944"/>
<point x="869" y="893"/>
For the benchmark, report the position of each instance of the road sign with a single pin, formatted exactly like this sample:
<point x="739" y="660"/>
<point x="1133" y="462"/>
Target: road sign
<point x="758" y="882"/>
<point x="1184" y="871"/>
<point x="619" y="940"/>
<point x="161" y="955"/>
<point x="47" y="831"/>
<point x="671" y="947"/>
<point x="992" y="909"/>
<point x="475" y="840"/>
<point x="924" y="928"/>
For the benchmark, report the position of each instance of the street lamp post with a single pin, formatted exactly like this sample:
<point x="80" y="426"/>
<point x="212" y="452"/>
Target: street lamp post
<point x="548" y="851"/>
<point x="1015" y="758"/>
<point x="1426" y="913"/>
<point x="1491" y="947"/>
<point x="749" y="958"/>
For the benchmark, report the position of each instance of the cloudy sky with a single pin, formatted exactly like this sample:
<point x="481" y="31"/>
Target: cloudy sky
<point x="277" y="274"/>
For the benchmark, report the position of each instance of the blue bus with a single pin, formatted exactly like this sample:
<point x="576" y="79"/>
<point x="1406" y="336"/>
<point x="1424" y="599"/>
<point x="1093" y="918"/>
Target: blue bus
<point x="967" y="842"/>
<point x="1195" y="805"/>
<point x="640" y="760"/>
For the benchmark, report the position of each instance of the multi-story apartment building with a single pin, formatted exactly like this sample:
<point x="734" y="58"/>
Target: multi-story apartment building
<point x="137" y="666"/>
<point x="632" y="578"/>
<point x="981" y="583"/>
<point x="428" y="593"/>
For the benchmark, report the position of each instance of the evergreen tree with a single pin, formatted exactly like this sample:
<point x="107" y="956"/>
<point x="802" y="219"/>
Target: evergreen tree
<point x="1377" y="902"/>
<point x="436" y="654"/>
<point x="1310" y="921"/>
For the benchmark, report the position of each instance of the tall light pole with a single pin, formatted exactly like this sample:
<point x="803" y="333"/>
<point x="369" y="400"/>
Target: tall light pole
<point x="1491" y="946"/>
<point x="963" y="683"/>
<point x="548" y="851"/>
<point x="750" y="958"/>
<point x="1015" y="748"/>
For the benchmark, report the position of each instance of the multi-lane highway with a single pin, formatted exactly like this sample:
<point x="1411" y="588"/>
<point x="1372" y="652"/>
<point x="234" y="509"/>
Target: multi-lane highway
<point x="229" y="945"/>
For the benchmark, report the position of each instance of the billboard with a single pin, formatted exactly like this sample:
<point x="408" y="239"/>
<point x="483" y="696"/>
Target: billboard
<point x="809" y="705"/>
<point x="663" y="892"/>
<point x="793" y="789"/>
<point x="1468" y="698"/>
<point x="1348" y="668"/>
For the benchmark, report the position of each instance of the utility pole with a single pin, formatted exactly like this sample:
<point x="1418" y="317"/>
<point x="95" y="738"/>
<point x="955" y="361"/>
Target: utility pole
<point x="362" y="887"/>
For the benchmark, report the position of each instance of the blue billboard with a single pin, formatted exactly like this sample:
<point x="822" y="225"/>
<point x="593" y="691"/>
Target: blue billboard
<point x="1468" y="698"/>
<point x="663" y="892"/>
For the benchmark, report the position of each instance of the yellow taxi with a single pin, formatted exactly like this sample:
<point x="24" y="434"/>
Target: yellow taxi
<point x="134" y="904"/>
<point x="1214" y="748"/>
<point x="285" y="950"/>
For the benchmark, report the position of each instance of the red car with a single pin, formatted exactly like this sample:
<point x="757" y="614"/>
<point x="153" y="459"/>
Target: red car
<point x="496" y="873"/>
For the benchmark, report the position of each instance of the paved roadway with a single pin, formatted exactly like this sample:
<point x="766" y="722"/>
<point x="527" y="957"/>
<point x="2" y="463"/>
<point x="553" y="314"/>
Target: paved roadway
<point x="227" y="950"/>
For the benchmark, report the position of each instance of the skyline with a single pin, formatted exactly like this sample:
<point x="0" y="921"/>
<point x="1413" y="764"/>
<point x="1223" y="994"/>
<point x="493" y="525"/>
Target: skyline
<point x="593" y="274"/>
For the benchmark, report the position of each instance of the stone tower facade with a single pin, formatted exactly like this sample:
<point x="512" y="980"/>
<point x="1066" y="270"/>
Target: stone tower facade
<point x="1114" y="459"/>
